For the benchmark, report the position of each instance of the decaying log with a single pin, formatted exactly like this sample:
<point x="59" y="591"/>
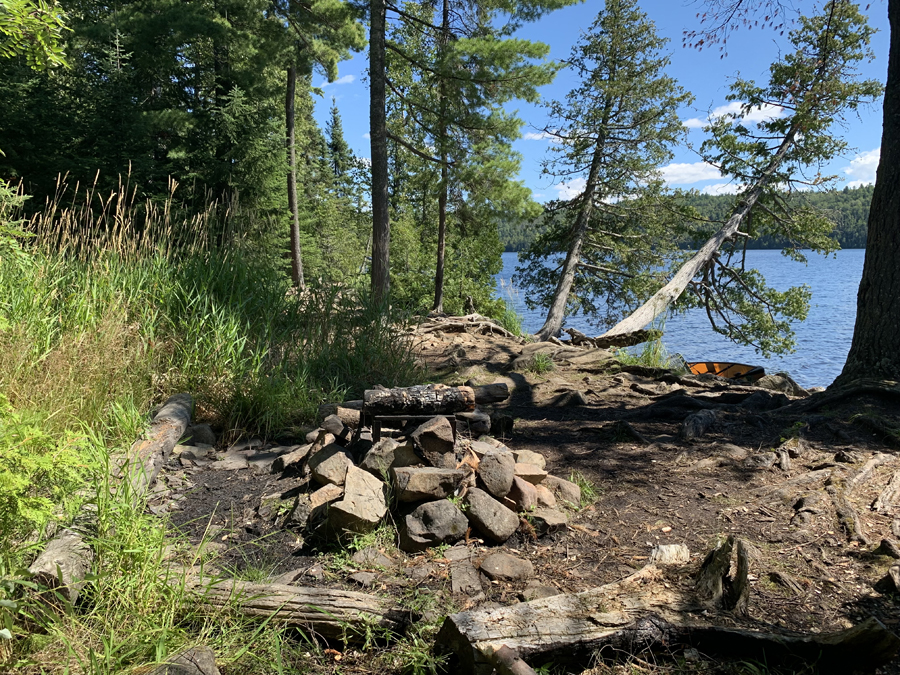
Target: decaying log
<point x="323" y="612"/>
<point x="423" y="399"/>
<point x="639" y="613"/>
<point x="508" y="662"/>
<point x="199" y="660"/>
<point x="884" y="503"/>
<point x="147" y="457"/>
<point x="714" y="572"/>
<point x="491" y="393"/>
<point x="67" y="559"/>
<point x="866" y="472"/>
<point x="847" y="516"/>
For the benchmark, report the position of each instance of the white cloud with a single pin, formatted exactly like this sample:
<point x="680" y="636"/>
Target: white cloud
<point x="539" y="136"/>
<point x="681" y="174"/>
<point x="367" y="136"/>
<point x="571" y="189"/>
<point x="762" y="113"/>
<point x="346" y="79"/>
<point x="863" y="167"/>
<point x="721" y="189"/>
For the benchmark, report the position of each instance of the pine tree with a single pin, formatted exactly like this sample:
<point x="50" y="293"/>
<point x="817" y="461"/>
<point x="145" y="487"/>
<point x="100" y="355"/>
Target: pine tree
<point x="613" y="131"/>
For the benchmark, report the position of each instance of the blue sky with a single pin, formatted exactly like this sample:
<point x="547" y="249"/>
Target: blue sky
<point x="703" y="73"/>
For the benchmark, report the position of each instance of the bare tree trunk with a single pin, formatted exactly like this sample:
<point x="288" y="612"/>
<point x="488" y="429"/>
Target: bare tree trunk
<point x="296" y="252"/>
<point x="381" y="223"/>
<point x="669" y="293"/>
<point x="557" y="312"/>
<point x="442" y="197"/>
<point x="873" y="351"/>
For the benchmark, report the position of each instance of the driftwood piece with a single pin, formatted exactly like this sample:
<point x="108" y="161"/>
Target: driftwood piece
<point x="147" y="457"/>
<point x="331" y="614"/>
<point x="491" y="393"/>
<point x="67" y="559"/>
<point x="423" y="399"/>
<point x="847" y="516"/>
<point x="635" y="614"/>
<point x="199" y="660"/>
<point x="626" y="339"/>
<point x="884" y="503"/>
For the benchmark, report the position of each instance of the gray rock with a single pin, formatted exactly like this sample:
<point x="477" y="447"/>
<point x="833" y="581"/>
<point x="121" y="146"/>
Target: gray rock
<point x="334" y="425"/>
<point x="388" y="454"/>
<point x="262" y="461"/>
<point x="490" y="517"/>
<point x="312" y="507"/>
<point x="415" y="484"/>
<point x="506" y="567"/>
<point x="292" y="458"/>
<point x="481" y="448"/>
<point x="269" y="505"/>
<point x="364" y="579"/>
<point x="230" y="463"/>
<point x="192" y="452"/>
<point x="530" y="472"/>
<point x="529" y="457"/>
<point x="535" y="590"/>
<point x="547" y="520"/>
<point x="781" y="382"/>
<point x="523" y="494"/>
<point x="434" y="440"/>
<point x="475" y="423"/>
<point x="372" y="558"/>
<point x="330" y="465"/>
<point x="432" y="524"/>
<point x="497" y="470"/>
<point x="363" y="505"/>
<point x="464" y="578"/>
<point x="312" y="435"/>
<point x="564" y="490"/>
<point x="201" y="434"/>
<point x="200" y="659"/>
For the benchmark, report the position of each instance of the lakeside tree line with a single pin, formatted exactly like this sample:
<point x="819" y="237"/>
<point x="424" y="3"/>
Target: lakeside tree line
<point x="847" y="208"/>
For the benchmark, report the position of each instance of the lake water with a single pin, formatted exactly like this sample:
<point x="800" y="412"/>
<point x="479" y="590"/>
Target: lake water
<point x="823" y="340"/>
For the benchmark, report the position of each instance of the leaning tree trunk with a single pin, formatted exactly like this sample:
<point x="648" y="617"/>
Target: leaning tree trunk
<point x="873" y="350"/>
<point x="296" y="252"/>
<point x="381" y="223"/>
<point x="557" y="312"/>
<point x="669" y="293"/>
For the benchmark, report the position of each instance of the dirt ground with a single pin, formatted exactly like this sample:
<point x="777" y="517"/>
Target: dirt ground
<point x="767" y="473"/>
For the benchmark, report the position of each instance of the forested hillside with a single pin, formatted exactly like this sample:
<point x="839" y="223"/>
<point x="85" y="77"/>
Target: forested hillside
<point x="847" y="208"/>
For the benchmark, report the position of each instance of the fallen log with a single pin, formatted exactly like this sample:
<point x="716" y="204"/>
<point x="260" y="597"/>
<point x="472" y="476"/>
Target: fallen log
<point x="332" y="614"/>
<point x="642" y="612"/>
<point x="491" y="393"/>
<point x="884" y="503"/>
<point x="67" y="559"/>
<point x="199" y="660"/>
<point x="423" y="399"/>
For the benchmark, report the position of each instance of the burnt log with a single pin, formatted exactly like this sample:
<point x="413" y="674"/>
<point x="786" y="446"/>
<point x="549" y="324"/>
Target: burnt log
<point x="423" y="399"/>
<point x="491" y="393"/>
<point x="321" y="612"/>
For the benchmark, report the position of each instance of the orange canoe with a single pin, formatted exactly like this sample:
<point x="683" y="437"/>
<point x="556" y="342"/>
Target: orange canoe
<point x="734" y="371"/>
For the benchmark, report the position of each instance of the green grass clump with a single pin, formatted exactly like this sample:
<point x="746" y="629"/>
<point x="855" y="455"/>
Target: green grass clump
<point x="589" y="492"/>
<point x="541" y="364"/>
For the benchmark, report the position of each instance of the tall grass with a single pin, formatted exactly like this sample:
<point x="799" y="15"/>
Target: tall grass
<point x="107" y="307"/>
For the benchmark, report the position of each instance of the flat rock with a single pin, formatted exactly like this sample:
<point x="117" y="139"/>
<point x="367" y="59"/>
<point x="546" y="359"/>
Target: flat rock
<point x="415" y="484"/>
<point x="434" y="440"/>
<point x="547" y="520"/>
<point x="529" y="457"/>
<point x="310" y="508"/>
<point x="489" y="516"/>
<point x="506" y="567"/>
<point x="334" y="425"/>
<point x="364" y="579"/>
<point x="262" y="461"/>
<point x="372" y="558"/>
<point x="292" y="457"/>
<point x="564" y="490"/>
<point x="530" y="472"/>
<point x="330" y="465"/>
<point x="497" y="470"/>
<point x="535" y="590"/>
<point x="432" y="524"/>
<point x="475" y="422"/>
<point x="524" y="494"/>
<point x="230" y="463"/>
<point x="363" y="505"/>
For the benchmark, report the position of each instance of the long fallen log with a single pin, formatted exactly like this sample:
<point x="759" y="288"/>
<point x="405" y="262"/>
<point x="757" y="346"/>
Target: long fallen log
<point x="423" y="399"/>
<point x="644" y="611"/>
<point x="67" y="558"/>
<point x="322" y="612"/>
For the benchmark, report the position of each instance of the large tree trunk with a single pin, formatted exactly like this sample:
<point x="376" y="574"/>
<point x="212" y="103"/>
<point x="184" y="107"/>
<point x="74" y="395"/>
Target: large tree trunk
<point x="296" y="253"/>
<point x="557" y="312"/>
<point x="873" y="351"/>
<point x="442" y="197"/>
<point x="381" y="223"/>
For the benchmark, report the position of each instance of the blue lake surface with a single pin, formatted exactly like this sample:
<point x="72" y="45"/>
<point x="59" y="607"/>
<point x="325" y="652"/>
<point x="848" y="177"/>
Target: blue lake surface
<point x="823" y="340"/>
